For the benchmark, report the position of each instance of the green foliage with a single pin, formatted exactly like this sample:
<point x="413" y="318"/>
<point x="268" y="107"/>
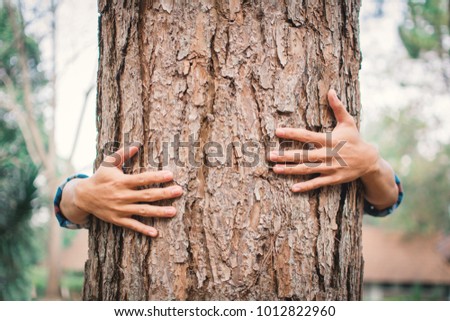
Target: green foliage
<point x="9" y="55"/>
<point x="419" y="292"/>
<point x="425" y="27"/>
<point x="18" y="246"/>
<point x="73" y="281"/>
<point x="425" y="169"/>
<point x="17" y="191"/>
<point x="70" y="280"/>
<point x="425" y="173"/>
<point x="39" y="278"/>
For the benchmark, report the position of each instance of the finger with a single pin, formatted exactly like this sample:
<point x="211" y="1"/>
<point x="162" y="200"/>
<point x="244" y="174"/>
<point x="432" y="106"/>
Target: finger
<point x="155" y="194"/>
<point x="147" y="210"/>
<point x="137" y="226"/>
<point x="314" y="183"/>
<point x="120" y="156"/>
<point x="339" y="110"/>
<point x="302" y="135"/>
<point x="298" y="156"/>
<point x="148" y="178"/>
<point x="302" y="169"/>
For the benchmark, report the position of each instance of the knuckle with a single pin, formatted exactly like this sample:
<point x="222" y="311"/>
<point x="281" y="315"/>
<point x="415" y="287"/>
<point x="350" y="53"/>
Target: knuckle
<point x="151" y="210"/>
<point x="149" y="195"/>
<point x="166" y="193"/>
<point x="115" y="220"/>
<point x="153" y="176"/>
<point x="306" y="135"/>
<point x="114" y="207"/>
<point x="312" y="158"/>
<point x="137" y="226"/>
<point x="142" y="210"/>
<point x="307" y="168"/>
<point x="117" y="211"/>
<point x="337" y="178"/>
<point x="118" y="196"/>
<point x="131" y="226"/>
<point x="116" y="183"/>
<point x="140" y="180"/>
<point x="161" y="211"/>
<point x="289" y="170"/>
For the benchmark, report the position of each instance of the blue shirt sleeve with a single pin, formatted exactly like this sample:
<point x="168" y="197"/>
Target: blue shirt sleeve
<point x="63" y="221"/>
<point x="371" y="210"/>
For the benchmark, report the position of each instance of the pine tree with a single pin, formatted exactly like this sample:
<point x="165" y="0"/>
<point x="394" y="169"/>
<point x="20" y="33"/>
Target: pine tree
<point x="17" y="173"/>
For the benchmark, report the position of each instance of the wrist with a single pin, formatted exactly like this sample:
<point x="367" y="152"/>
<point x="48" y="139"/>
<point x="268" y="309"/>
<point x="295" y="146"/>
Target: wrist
<point x="79" y="191"/>
<point x="374" y="163"/>
<point x="70" y="206"/>
<point x="380" y="188"/>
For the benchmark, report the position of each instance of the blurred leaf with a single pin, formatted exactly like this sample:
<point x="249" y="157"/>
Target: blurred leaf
<point x="426" y="26"/>
<point x="18" y="241"/>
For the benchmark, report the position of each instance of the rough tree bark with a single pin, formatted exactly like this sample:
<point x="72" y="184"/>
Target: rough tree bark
<point x="229" y="72"/>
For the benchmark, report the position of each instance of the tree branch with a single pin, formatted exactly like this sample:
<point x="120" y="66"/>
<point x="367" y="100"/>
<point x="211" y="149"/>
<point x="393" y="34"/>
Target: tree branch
<point x="7" y="103"/>
<point x="27" y="115"/>
<point x="80" y="121"/>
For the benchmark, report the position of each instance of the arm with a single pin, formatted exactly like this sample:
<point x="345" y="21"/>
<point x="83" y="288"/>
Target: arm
<point x="339" y="157"/>
<point x="112" y="196"/>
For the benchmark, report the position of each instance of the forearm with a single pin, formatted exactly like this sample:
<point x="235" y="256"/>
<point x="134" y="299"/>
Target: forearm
<point x="380" y="188"/>
<point x="68" y="205"/>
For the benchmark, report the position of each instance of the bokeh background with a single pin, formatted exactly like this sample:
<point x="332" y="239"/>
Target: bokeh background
<point x="48" y="61"/>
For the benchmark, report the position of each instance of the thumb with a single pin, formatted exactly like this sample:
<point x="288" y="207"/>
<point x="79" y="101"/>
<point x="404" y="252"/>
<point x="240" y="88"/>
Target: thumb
<point x="120" y="156"/>
<point x="341" y="114"/>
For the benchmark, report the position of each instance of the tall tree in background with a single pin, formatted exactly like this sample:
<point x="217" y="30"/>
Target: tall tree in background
<point x="17" y="191"/>
<point x="419" y="154"/>
<point x="17" y="173"/>
<point x="228" y="72"/>
<point x="20" y="98"/>
<point x="427" y="29"/>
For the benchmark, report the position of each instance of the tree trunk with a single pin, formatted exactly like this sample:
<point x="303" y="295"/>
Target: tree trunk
<point x="228" y="72"/>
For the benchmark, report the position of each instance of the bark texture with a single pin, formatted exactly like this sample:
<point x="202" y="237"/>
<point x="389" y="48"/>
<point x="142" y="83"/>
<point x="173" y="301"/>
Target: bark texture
<point x="228" y="71"/>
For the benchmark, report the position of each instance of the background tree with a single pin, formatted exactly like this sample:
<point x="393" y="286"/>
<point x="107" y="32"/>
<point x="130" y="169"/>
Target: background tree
<point x="17" y="174"/>
<point x="405" y="109"/>
<point x="20" y="98"/>
<point x="228" y="72"/>
<point x="17" y="191"/>
<point x="427" y="29"/>
<point x="420" y="151"/>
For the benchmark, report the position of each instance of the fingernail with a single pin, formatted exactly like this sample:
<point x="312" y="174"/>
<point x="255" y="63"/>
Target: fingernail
<point x="167" y="174"/>
<point x="273" y="154"/>
<point x="170" y="211"/>
<point x="175" y="190"/>
<point x="279" y="169"/>
<point x="280" y="131"/>
<point x="152" y="232"/>
<point x="296" y="188"/>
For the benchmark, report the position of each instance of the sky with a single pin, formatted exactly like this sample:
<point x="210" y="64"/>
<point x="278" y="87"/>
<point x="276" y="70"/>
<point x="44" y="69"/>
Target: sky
<point x="77" y="65"/>
<point x="385" y="68"/>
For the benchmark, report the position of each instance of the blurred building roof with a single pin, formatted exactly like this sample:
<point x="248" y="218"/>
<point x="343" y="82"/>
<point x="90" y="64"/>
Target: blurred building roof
<point x="444" y="248"/>
<point x="393" y="257"/>
<point x="74" y="257"/>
